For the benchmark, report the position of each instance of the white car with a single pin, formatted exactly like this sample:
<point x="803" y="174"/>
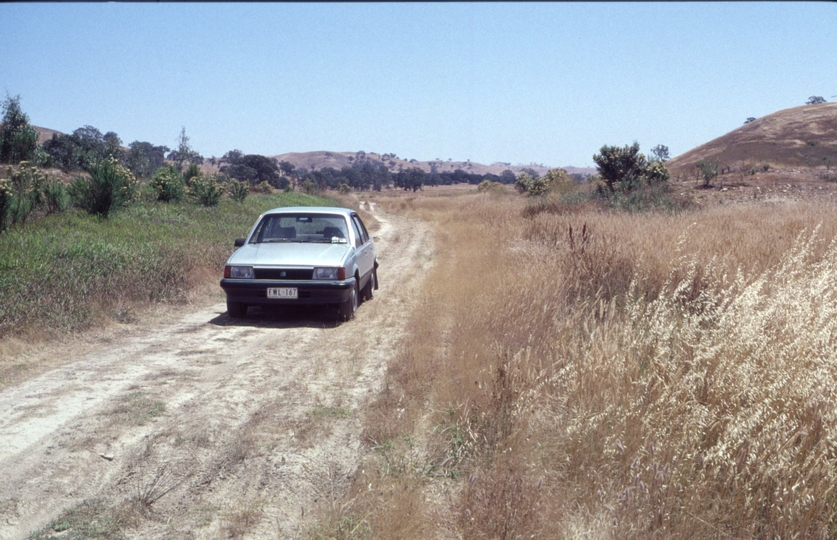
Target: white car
<point x="302" y="256"/>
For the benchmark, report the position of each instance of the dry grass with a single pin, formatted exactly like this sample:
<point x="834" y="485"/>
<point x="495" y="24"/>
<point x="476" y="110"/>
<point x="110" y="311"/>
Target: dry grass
<point x="612" y="375"/>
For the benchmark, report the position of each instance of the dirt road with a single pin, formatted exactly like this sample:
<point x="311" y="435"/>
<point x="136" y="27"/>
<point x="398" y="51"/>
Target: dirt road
<point x="195" y="426"/>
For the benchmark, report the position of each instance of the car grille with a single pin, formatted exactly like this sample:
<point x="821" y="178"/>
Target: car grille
<point x="289" y="273"/>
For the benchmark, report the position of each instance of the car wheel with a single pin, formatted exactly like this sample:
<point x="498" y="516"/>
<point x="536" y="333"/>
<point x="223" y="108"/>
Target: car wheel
<point x="349" y="307"/>
<point x="370" y="285"/>
<point x="236" y="310"/>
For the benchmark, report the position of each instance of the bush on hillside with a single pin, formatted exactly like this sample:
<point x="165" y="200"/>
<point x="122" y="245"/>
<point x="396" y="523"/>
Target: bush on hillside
<point x="708" y="170"/>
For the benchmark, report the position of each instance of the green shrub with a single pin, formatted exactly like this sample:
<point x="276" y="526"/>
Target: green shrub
<point x="264" y="187"/>
<point x="42" y="158"/>
<point x="167" y="184"/>
<point x="624" y="169"/>
<point x="555" y="180"/>
<point x="5" y="202"/>
<point x="192" y="171"/>
<point x="107" y="186"/>
<point x="55" y="195"/>
<point x="22" y="194"/>
<point x="487" y="186"/>
<point x="708" y="169"/>
<point x="206" y="190"/>
<point x="343" y="188"/>
<point x="522" y="182"/>
<point x="238" y="190"/>
<point x="308" y="186"/>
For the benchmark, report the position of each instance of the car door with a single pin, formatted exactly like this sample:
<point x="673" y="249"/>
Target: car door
<point x="365" y="249"/>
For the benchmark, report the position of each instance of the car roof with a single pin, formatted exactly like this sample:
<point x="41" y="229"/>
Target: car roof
<point x="312" y="210"/>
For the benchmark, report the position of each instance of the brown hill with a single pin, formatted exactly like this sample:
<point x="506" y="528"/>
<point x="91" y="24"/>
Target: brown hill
<point x="799" y="137"/>
<point x="45" y="134"/>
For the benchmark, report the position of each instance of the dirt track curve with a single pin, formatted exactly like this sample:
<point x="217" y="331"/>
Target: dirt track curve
<point x="209" y="427"/>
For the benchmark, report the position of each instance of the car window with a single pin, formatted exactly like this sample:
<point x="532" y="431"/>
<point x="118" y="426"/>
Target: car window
<point x="324" y="228"/>
<point x="361" y="230"/>
<point x="358" y="234"/>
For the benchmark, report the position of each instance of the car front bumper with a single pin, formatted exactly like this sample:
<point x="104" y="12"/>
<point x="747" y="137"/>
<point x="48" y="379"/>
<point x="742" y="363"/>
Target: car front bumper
<point x="253" y="292"/>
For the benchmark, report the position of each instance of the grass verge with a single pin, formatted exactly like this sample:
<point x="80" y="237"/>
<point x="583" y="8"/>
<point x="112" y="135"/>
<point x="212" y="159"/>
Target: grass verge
<point x="67" y="271"/>
<point x="611" y="374"/>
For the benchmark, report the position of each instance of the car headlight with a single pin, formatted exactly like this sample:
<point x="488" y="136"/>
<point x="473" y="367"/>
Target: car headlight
<point x="332" y="273"/>
<point x="239" y="272"/>
<point x="325" y="273"/>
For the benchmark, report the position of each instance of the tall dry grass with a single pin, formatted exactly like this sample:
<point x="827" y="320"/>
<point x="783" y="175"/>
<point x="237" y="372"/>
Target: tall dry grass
<point x="612" y="375"/>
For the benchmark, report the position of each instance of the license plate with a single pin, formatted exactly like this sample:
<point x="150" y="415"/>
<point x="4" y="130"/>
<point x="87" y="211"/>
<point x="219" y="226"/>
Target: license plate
<point x="285" y="293"/>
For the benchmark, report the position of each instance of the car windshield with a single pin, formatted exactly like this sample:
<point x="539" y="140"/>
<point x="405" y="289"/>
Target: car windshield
<point x="323" y="228"/>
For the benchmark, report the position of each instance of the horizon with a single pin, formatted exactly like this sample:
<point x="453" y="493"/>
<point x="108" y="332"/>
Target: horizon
<point x="491" y="83"/>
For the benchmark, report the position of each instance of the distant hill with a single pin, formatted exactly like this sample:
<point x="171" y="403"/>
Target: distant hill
<point x="799" y="137"/>
<point x="45" y="134"/>
<point x="337" y="160"/>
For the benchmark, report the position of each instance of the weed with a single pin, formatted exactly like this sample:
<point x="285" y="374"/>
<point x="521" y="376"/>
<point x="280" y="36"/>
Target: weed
<point x="90" y="519"/>
<point x="136" y="408"/>
<point x="239" y="522"/>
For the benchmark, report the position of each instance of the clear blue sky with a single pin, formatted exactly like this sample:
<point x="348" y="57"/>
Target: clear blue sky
<point x="524" y="83"/>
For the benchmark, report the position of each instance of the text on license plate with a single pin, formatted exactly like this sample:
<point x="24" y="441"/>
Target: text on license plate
<point x="287" y="293"/>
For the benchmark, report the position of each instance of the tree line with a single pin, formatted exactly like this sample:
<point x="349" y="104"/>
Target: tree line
<point x="87" y="146"/>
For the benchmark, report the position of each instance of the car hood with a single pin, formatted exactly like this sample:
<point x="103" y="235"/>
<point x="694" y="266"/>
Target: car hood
<point x="290" y="254"/>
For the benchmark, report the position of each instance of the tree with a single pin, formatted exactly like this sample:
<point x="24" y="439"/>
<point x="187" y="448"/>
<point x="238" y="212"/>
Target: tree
<point x="625" y="168"/>
<point x="113" y="145"/>
<point x="815" y="100"/>
<point x="231" y="157"/>
<point x="411" y="178"/>
<point x="255" y="168"/>
<point x="660" y="153"/>
<point x="91" y="143"/>
<point x="507" y="177"/>
<point x="18" y="139"/>
<point x="750" y="119"/>
<point x="184" y="153"/>
<point x="287" y="168"/>
<point x="144" y="158"/>
<point x="64" y="151"/>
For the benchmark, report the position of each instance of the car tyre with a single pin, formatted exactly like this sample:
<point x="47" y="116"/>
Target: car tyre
<point x="371" y="284"/>
<point x="236" y="310"/>
<point x="349" y="307"/>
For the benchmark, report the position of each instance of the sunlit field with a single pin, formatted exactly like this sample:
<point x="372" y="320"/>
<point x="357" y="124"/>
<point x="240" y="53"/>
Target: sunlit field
<point x="596" y="374"/>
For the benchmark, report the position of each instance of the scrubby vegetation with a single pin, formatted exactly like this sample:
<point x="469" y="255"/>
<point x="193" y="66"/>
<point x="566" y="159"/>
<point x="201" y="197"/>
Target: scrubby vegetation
<point x="65" y="271"/>
<point x="611" y="375"/>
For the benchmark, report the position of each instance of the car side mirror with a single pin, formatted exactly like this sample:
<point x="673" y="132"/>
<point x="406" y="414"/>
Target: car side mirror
<point x="239" y="242"/>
